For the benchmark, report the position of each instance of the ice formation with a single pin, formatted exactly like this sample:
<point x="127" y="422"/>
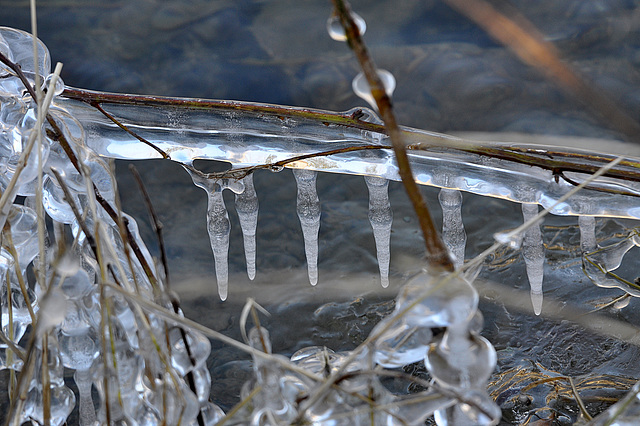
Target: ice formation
<point x="533" y="253"/>
<point x="150" y="370"/>
<point x="453" y="232"/>
<point x="381" y="219"/>
<point x="247" y="209"/>
<point x="308" y="208"/>
<point x="361" y="86"/>
<point x="335" y="30"/>
<point x="587" y="226"/>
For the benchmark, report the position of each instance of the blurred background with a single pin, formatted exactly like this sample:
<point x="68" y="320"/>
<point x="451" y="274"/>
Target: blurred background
<point x="450" y="77"/>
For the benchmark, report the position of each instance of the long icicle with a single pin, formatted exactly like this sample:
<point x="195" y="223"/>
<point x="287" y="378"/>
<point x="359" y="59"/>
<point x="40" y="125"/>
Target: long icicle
<point x="247" y="208"/>
<point x="381" y="219"/>
<point x="308" y="207"/>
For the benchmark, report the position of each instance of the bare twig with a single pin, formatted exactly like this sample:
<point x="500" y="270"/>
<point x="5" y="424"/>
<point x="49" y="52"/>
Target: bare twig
<point x="438" y="255"/>
<point x="155" y="224"/>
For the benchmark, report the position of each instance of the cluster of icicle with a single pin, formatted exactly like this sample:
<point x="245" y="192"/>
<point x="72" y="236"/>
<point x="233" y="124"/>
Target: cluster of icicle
<point x="308" y="208"/>
<point x="146" y="370"/>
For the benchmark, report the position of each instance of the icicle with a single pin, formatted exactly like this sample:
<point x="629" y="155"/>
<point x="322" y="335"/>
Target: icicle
<point x="219" y="228"/>
<point x="308" y="207"/>
<point x="381" y="218"/>
<point x="247" y="208"/>
<point x="453" y="232"/>
<point x="587" y="226"/>
<point x="533" y="253"/>
<point x="87" y="410"/>
<point x="218" y="224"/>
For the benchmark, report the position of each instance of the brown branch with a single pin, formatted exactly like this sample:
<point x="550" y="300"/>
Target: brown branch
<point x="155" y="223"/>
<point x="438" y="255"/>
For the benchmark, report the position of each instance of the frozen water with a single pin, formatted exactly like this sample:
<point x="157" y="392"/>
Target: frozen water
<point x="361" y="86"/>
<point x="493" y="180"/>
<point x="453" y="232"/>
<point x="83" y="379"/>
<point x="451" y="300"/>
<point x="183" y="360"/>
<point x="24" y="225"/>
<point x="533" y="253"/>
<point x="598" y="263"/>
<point x="587" y="226"/>
<point x="400" y="344"/>
<point x="53" y="309"/>
<point x="381" y="219"/>
<point x="335" y="30"/>
<point x="247" y="208"/>
<point x="219" y="229"/>
<point x="308" y="208"/>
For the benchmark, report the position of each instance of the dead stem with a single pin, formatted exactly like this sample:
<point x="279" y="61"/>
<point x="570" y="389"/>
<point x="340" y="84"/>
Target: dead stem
<point x="155" y="224"/>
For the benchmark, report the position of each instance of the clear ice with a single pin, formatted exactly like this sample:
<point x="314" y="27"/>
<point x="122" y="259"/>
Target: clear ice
<point x="533" y="253"/>
<point x="308" y="208"/>
<point x="587" y="225"/>
<point x="219" y="228"/>
<point x="335" y="30"/>
<point x="361" y="87"/>
<point x="381" y="219"/>
<point x="247" y="209"/>
<point x="453" y="232"/>
<point x="600" y="262"/>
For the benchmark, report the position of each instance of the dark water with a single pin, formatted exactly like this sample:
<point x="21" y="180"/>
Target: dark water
<point x="450" y="77"/>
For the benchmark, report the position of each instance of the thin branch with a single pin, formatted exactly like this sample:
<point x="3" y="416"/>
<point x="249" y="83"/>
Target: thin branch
<point x="155" y="223"/>
<point x="438" y="254"/>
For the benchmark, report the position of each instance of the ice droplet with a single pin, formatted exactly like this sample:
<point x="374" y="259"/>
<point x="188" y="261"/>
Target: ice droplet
<point x="533" y="253"/>
<point x="335" y="30"/>
<point x="247" y="208"/>
<point x="381" y="218"/>
<point x="361" y="86"/>
<point x="308" y="207"/>
<point x="622" y="303"/>
<point x="453" y="232"/>
<point x="59" y="87"/>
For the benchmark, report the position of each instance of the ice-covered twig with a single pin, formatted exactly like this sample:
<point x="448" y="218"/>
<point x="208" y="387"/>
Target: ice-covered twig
<point x="191" y="129"/>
